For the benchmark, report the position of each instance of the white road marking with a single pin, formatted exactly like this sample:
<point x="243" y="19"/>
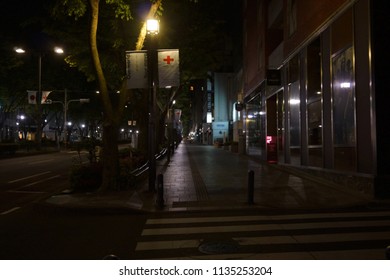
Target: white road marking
<point x="28" y="177"/>
<point x="39" y="162"/>
<point x="32" y="192"/>
<point x="273" y="218"/>
<point x="37" y="182"/>
<point x="10" y="211"/>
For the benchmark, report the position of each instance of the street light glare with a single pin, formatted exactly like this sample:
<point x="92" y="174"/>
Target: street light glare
<point x="19" y="50"/>
<point x="152" y="26"/>
<point x="58" y="50"/>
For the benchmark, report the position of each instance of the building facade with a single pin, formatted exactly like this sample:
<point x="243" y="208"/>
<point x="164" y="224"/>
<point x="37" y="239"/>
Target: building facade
<point x="315" y="91"/>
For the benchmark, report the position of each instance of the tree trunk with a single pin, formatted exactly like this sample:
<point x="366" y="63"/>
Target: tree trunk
<point x="110" y="137"/>
<point x="110" y="158"/>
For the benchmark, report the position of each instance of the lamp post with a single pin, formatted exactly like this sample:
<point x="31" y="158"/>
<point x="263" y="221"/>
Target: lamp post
<point x="152" y="28"/>
<point x="65" y="105"/>
<point x="57" y="50"/>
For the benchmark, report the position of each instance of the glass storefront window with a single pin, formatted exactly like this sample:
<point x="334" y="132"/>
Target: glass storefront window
<point x="343" y="93"/>
<point x="281" y="118"/>
<point x="294" y="111"/>
<point x="254" y="126"/>
<point x="314" y="104"/>
<point x="343" y="110"/>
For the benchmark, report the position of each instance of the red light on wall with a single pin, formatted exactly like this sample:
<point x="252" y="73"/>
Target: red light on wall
<point x="271" y="149"/>
<point x="270" y="139"/>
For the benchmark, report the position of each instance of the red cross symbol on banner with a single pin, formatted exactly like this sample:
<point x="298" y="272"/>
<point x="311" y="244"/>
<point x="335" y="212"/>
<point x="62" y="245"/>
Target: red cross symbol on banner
<point x="168" y="59"/>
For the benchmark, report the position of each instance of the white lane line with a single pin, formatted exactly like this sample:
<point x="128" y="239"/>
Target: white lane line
<point x="10" y="211"/>
<point x="39" y="162"/>
<point x="37" y="182"/>
<point x="28" y="177"/>
<point x="32" y="192"/>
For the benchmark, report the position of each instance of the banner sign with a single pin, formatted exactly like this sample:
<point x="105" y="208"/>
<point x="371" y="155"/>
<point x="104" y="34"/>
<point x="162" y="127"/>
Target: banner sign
<point x="45" y="95"/>
<point x="32" y="97"/>
<point x="136" y="69"/>
<point x="167" y="63"/>
<point x="177" y="116"/>
<point x="168" y="68"/>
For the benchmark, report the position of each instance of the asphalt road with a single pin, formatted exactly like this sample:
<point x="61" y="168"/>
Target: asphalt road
<point x="27" y="179"/>
<point x="38" y="233"/>
<point x="32" y="230"/>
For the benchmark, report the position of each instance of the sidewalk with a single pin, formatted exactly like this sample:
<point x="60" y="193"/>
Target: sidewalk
<point x="200" y="177"/>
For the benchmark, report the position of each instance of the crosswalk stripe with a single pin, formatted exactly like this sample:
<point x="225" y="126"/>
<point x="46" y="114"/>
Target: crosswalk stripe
<point x="247" y="241"/>
<point x="341" y="224"/>
<point x="263" y="217"/>
<point x="262" y="227"/>
<point x="315" y="238"/>
<point x="305" y="235"/>
<point x="221" y="229"/>
<point x="204" y="220"/>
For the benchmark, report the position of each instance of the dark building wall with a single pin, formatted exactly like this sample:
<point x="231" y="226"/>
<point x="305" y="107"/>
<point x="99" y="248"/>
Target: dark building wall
<point x="310" y="17"/>
<point x="254" y="43"/>
<point x="381" y="96"/>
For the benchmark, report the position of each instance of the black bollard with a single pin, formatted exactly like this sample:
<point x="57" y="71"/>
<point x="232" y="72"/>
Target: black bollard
<point x="160" y="191"/>
<point x="388" y="252"/>
<point x="251" y="186"/>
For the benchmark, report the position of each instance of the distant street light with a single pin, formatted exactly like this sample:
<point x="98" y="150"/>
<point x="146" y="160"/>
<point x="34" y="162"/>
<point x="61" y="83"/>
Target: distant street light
<point x="57" y="50"/>
<point x="152" y="28"/>
<point x="65" y="106"/>
<point x="19" y="50"/>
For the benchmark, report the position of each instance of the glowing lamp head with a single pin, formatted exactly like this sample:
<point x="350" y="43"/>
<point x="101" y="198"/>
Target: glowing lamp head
<point x="152" y="26"/>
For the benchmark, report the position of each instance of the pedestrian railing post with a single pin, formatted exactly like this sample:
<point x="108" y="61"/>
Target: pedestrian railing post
<point x="251" y="186"/>
<point x="160" y="191"/>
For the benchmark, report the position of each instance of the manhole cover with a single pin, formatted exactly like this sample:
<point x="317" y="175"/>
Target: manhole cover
<point x="218" y="247"/>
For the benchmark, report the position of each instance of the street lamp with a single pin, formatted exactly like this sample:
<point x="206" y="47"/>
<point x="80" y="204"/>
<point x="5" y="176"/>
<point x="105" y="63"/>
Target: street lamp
<point x="19" y="50"/>
<point x="65" y="106"/>
<point x="57" y="50"/>
<point x="152" y="28"/>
